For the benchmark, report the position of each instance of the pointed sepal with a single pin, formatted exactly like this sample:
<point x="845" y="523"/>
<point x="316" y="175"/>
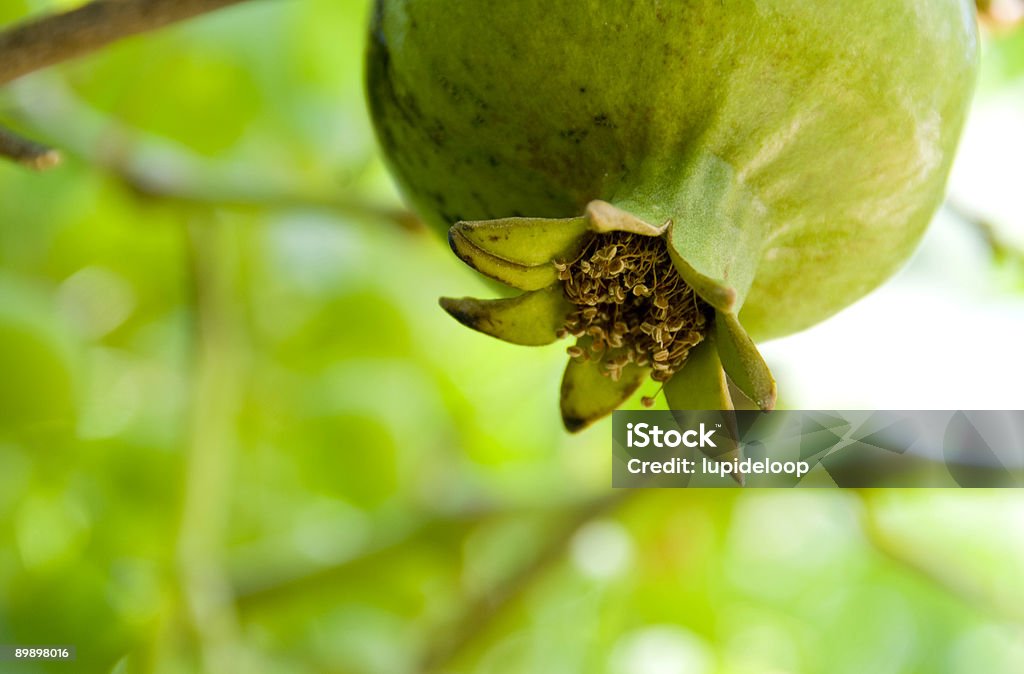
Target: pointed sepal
<point x="715" y="292"/>
<point x="702" y="385"/>
<point x="528" y="242"/>
<point x="743" y="362"/>
<point x="588" y="395"/>
<point x="531" y="319"/>
<point x="519" y="276"/>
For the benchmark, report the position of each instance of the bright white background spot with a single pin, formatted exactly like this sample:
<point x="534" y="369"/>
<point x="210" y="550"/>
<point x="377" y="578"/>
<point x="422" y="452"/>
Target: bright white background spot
<point x="96" y="301"/>
<point x="662" y="649"/>
<point x="602" y="550"/>
<point x="944" y="333"/>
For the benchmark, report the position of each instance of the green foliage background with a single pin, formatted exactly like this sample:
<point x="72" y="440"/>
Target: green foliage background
<point x="237" y="434"/>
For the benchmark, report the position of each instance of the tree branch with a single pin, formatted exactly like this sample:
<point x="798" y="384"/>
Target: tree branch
<point x="47" y="40"/>
<point x="159" y="168"/>
<point x="26" y="152"/>
<point x="1002" y="250"/>
<point x="54" y="38"/>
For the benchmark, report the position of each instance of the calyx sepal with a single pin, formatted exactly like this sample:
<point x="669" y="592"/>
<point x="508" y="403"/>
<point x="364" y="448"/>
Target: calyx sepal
<point x="534" y="254"/>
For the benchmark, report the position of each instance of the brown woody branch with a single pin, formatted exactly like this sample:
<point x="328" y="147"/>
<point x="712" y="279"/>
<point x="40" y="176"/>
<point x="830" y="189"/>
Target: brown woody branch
<point x="26" y="152"/>
<point x="55" y="38"/>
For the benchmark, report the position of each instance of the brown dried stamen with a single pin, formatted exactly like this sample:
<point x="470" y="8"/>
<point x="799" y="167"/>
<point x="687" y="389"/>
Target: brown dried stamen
<point x="631" y="306"/>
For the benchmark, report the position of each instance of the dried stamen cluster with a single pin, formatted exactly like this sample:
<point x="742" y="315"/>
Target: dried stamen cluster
<point x="631" y="306"/>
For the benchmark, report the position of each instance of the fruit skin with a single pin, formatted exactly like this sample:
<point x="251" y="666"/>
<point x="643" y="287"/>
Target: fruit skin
<point x="815" y="137"/>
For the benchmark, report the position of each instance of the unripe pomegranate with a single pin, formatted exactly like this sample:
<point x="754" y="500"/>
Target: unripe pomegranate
<point x="670" y="181"/>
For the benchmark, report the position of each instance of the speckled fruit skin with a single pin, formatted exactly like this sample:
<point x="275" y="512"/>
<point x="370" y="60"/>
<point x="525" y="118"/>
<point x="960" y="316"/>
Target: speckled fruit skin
<point x="817" y="136"/>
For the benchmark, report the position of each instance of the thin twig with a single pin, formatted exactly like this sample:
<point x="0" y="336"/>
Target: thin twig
<point x="163" y="173"/>
<point x="55" y="38"/>
<point x="157" y="167"/>
<point x="1000" y="249"/>
<point x="26" y="152"/>
<point x="44" y="41"/>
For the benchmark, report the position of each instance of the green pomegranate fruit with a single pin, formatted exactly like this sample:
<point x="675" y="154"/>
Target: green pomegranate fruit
<point x="670" y="181"/>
